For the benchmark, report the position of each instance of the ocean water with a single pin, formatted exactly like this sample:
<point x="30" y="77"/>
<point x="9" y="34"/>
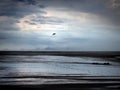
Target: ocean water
<point x="38" y="65"/>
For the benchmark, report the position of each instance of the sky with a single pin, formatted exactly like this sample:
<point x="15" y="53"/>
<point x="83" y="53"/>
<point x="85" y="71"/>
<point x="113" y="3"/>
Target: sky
<point x="67" y="25"/>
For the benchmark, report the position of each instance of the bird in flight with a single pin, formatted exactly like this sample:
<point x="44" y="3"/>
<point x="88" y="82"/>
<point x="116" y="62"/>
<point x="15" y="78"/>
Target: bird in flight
<point x="54" y="34"/>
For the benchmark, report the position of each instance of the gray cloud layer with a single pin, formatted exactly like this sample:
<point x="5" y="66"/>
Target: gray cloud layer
<point x="106" y="8"/>
<point x="15" y="9"/>
<point x="11" y="11"/>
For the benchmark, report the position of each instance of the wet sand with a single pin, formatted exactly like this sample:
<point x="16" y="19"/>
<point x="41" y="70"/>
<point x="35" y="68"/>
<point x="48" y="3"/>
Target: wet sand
<point x="67" y="86"/>
<point x="75" y="83"/>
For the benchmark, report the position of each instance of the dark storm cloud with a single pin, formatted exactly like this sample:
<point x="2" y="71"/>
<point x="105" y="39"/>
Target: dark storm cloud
<point x="115" y="3"/>
<point x="32" y="2"/>
<point x="20" y="8"/>
<point x="11" y="8"/>
<point x="108" y="9"/>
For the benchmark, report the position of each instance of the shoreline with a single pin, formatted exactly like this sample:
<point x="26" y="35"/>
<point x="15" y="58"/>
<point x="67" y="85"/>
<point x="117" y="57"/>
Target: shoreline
<point x="104" y="54"/>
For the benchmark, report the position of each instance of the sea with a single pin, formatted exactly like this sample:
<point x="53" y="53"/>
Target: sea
<point x="44" y="69"/>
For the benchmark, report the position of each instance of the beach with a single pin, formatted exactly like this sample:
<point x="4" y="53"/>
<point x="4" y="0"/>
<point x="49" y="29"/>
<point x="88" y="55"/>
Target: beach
<point x="65" y="72"/>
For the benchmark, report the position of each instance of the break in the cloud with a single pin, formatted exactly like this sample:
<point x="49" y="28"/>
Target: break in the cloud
<point x="83" y="25"/>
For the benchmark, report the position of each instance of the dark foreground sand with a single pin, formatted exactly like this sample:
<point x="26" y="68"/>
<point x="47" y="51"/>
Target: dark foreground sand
<point x="84" y="86"/>
<point x="81" y="83"/>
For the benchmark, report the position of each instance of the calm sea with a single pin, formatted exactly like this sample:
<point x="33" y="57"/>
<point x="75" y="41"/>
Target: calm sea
<point x="12" y="67"/>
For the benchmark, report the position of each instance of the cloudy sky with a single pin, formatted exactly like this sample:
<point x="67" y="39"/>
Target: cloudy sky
<point x="82" y="25"/>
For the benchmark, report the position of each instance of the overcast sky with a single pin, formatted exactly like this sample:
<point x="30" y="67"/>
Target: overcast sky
<point x="82" y="25"/>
